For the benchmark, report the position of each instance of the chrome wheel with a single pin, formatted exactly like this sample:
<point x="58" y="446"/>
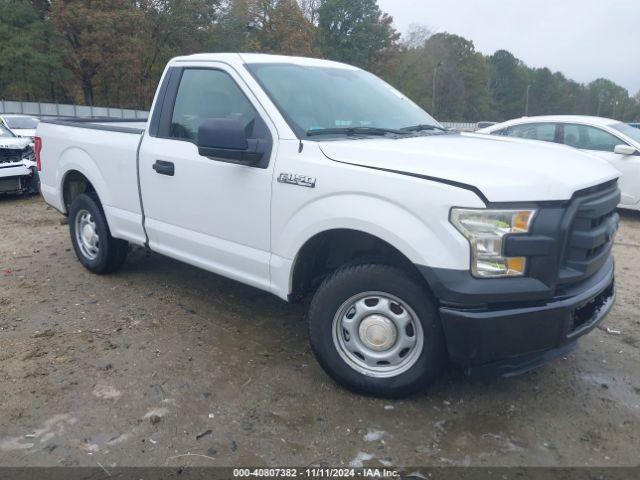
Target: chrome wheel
<point x="87" y="236"/>
<point x="377" y="334"/>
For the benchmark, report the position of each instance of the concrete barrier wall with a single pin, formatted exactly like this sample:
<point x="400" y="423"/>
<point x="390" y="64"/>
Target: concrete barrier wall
<point x="41" y="109"/>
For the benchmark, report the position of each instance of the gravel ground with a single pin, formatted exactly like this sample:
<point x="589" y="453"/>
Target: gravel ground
<point x="165" y="364"/>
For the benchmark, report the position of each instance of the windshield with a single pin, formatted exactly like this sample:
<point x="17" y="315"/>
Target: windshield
<point x="316" y="98"/>
<point x="5" y="132"/>
<point x="628" y="130"/>
<point x="21" y="122"/>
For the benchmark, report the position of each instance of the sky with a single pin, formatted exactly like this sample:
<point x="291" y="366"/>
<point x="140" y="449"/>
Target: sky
<point x="583" y="39"/>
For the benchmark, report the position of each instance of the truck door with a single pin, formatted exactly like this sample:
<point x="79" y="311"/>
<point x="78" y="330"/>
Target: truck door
<point x="203" y="210"/>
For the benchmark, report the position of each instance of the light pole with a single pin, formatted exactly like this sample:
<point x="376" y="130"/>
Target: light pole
<point x="433" y="95"/>
<point x="599" y="105"/>
<point x="526" y="102"/>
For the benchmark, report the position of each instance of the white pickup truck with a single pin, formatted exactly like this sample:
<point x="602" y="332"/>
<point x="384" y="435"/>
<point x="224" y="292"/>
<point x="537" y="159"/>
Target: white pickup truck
<point x="304" y="177"/>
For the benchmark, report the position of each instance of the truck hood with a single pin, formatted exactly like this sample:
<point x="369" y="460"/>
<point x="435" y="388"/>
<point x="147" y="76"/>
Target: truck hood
<point x="503" y="169"/>
<point x="14" y="143"/>
<point x="24" y="132"/>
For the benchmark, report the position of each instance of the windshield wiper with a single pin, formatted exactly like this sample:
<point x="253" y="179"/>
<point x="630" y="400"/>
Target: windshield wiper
<point x="422" y="127"/>
<point x="355" y="131"/>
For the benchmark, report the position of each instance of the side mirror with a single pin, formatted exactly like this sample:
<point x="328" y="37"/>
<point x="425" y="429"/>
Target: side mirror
<point x="225" y="139"/>
<point x="625" y="150"/>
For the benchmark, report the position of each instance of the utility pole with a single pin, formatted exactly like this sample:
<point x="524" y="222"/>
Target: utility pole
<point x="599" y="105"/>
<point x="433" y="95"/>
<point x="526" y="102"/>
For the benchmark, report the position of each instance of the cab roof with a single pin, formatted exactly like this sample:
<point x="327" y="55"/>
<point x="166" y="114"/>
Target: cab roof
<point x="591" y="120"/>
<point x="248" y="58"/>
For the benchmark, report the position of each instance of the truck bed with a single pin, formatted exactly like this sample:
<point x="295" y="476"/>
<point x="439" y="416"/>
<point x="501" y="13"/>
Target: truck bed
<point x="122" y="125"/>
<point x="103" y="150"/>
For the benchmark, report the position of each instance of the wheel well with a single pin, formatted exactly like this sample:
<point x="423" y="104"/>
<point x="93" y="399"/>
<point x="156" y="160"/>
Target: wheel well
<point x="327" y="251"/>
<point x="74" y="184"/>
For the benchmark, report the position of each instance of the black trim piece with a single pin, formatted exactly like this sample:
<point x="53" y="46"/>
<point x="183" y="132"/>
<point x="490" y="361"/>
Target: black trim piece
<point x="453" y="183"/>
<point x="90" y="123"/>
<point x="523" y="204"/>
<point x="516" y="337"/>
<point x="154" y="123"/>
<point x="146" y="236"/>
<point x="596" y="188"/>
<point x="587" y="245"/>
<point x="164" y="122"/>
<point x="515" y="366"/>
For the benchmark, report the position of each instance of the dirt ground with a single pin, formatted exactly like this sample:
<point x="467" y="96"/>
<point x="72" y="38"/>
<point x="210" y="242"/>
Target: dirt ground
<point x="164" y="364"/>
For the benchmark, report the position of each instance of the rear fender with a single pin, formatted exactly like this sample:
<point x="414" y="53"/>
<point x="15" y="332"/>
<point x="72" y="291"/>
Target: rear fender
<point x="76" y="159"/>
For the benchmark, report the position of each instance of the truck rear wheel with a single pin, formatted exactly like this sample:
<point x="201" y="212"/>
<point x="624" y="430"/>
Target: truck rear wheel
<point x="376" y="331"/>
<point x="96" y="249"/>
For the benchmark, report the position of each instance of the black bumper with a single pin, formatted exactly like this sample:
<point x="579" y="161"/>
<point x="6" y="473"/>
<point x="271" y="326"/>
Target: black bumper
<point x="513" y="338"/>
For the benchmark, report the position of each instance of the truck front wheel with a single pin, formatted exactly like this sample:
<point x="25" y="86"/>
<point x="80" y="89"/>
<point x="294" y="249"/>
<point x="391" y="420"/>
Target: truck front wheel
<point x="375" y="331"/>
<point x="96" y="249"/>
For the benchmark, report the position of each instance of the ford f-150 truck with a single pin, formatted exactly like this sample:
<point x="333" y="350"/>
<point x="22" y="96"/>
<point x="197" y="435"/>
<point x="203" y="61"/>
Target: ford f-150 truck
<point x="307" y="178"/>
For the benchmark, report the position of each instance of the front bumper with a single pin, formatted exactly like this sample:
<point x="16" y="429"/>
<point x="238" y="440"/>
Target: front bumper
<point x="18" y="177"/>
<point x="14" y="170"/>
<point x="508" y="340"/>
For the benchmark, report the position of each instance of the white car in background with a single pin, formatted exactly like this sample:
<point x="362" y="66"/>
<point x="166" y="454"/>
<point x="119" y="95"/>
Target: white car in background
<point x="611" y="140"/>
<point x="21" y="125"/>
<point x="18" y="173"/>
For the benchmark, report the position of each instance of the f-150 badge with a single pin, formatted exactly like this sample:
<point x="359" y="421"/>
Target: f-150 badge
<point x="300" y="180"/>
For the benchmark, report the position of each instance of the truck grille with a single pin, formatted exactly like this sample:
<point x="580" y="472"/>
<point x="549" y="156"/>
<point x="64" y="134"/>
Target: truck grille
<point x="10" y="155"/>
<point x="590" y="236"/>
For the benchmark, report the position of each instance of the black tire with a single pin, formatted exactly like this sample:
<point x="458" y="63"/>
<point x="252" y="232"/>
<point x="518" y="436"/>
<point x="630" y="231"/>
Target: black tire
<point x="351" y="281"/>
<point x="112" y="252"/>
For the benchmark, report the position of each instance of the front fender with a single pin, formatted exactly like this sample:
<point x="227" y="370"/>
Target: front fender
<point x="425" y="239"/>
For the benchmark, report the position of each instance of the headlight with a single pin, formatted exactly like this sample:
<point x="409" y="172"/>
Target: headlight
<point x="485" y="230"/>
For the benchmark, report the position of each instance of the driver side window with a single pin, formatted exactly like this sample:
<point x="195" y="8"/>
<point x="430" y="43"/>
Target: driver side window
<point x="585" y="137"/>
<point x="208" y="93"/>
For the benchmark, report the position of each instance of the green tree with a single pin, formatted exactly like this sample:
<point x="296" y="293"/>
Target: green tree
<point x="280" y="26"/>
<point x="448" y="66"/>
<point x="167" y="28"/>
<point x="29" y="68"/>
<point x="354" y="31"/>
<point x="235" y="24"/>
<point x="607" y="99"/>
<point x="94" y="35"/>
<point x="507" y="82"/>
<point x="112" y="52"/>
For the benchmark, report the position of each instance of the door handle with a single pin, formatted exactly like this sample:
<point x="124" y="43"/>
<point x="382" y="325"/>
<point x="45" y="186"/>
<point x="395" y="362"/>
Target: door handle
<point x="164" y="168"/>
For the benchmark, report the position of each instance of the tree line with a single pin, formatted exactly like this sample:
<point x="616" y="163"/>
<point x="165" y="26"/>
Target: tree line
<point x="112" y="53"/>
